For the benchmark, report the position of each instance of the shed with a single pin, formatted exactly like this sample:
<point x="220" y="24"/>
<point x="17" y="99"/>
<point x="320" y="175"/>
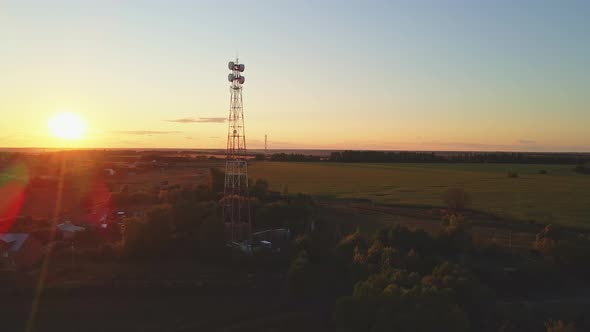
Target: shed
<point x="18" y="250"/>
<point x="69" y="230"/>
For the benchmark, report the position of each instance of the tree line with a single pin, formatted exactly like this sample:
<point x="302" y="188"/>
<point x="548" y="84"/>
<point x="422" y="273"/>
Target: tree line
<point x="461" y="157"/>
<point x="186" y="221"/>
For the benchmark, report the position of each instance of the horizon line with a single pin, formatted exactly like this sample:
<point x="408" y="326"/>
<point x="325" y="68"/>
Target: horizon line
<point x="7" y="149"/>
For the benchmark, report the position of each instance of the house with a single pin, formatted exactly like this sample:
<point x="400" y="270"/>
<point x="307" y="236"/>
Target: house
<point x="18" y="251"/>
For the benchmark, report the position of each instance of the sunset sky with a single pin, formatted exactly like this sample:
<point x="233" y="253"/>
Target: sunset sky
<point x="419" y="75"/>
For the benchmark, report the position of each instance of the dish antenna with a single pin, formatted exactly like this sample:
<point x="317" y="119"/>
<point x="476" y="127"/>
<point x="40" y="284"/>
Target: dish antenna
<point x="236" y="76"/>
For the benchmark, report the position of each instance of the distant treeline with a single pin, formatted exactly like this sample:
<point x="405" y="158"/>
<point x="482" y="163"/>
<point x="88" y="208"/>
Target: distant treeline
<point x="461" y="157"/>
<point x="293" y="157"/>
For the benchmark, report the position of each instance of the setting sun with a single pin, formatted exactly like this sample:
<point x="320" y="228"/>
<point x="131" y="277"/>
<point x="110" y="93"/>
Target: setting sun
<point x="67" y="126"/>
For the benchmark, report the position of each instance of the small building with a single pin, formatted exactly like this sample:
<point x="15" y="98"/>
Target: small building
<point x="266" y="244"/>
<point x="19" y="251"/>
<point x="69" y="230"/>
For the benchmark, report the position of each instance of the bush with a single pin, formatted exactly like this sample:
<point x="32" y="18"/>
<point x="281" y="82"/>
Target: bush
<point x="512" y="175"/>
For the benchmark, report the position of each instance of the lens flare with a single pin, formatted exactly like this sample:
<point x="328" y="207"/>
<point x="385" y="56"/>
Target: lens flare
<point x="13" y="183"/>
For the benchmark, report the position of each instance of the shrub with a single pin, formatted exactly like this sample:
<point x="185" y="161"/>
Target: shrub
<point x="512" y="174"/>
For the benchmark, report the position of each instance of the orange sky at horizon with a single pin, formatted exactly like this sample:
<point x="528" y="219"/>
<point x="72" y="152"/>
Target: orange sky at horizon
<point x="372" y="75"/>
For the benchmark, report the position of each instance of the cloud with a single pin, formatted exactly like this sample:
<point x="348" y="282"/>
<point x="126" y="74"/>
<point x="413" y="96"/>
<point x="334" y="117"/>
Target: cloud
<point x="463" y="144"/>
<point x="526" y="141"/>
<point x="143" y="132"/>
<point x="198" y="120"/>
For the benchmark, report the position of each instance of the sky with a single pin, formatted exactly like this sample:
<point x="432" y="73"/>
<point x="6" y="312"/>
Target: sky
<point x="388" y="75"/>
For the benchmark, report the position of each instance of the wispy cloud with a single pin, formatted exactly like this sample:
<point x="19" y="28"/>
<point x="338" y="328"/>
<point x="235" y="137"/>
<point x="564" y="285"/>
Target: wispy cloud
<point x="198" y="120"/>
<point x="469" y="145"/>
<point x="143" y="132"/>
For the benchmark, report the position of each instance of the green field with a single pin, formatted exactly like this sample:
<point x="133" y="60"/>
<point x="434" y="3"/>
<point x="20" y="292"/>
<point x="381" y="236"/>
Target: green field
<point x="561" y="196"/>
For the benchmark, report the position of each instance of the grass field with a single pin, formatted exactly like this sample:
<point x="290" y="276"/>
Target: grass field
<point x="561" y="196"/>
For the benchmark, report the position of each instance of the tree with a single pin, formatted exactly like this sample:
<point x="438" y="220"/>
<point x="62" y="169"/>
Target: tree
<point x="559" y="326"/>
<point x="134" y="239"/>
<point x="299" y="276"/>
<point x="260" y="188"/>
<point x="546" y="240"/>
<point x="216" y="180"/>
<point x="212" y="237"/>
<point x="346" y="248"/>
<point x="389" y="307"/>
<point x="150" y="236"/>
<point x="475" y="298"/>
<point x="403" y="238"/>
<point x="454" y="235"/>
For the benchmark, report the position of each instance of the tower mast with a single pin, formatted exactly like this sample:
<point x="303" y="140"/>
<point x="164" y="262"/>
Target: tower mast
<point x="236" y="205"/>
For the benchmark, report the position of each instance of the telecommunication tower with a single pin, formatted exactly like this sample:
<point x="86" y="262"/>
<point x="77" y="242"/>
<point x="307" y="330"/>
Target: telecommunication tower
<point x="236" y="205"/>
<point x="265" y="147"/>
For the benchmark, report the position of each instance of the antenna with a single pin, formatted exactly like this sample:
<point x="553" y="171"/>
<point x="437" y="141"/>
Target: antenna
<point x="265" y="146"/>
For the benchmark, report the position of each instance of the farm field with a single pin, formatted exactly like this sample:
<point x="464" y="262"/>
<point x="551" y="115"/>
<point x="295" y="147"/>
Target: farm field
<point x="561" y="196"/>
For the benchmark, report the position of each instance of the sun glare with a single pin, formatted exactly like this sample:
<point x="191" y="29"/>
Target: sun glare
<point x="67" y="126"/>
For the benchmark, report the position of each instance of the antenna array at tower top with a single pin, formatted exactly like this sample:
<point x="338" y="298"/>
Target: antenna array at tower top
<point x="236" y="75"/>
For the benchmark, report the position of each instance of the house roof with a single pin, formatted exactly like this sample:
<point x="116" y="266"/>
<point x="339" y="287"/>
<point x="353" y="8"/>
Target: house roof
<point x="69" y="227"/>
<point x="14" y="241"/>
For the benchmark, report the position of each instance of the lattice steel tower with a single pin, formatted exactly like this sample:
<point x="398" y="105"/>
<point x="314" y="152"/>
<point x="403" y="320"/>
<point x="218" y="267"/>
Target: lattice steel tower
<point x="236" y="206"/>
